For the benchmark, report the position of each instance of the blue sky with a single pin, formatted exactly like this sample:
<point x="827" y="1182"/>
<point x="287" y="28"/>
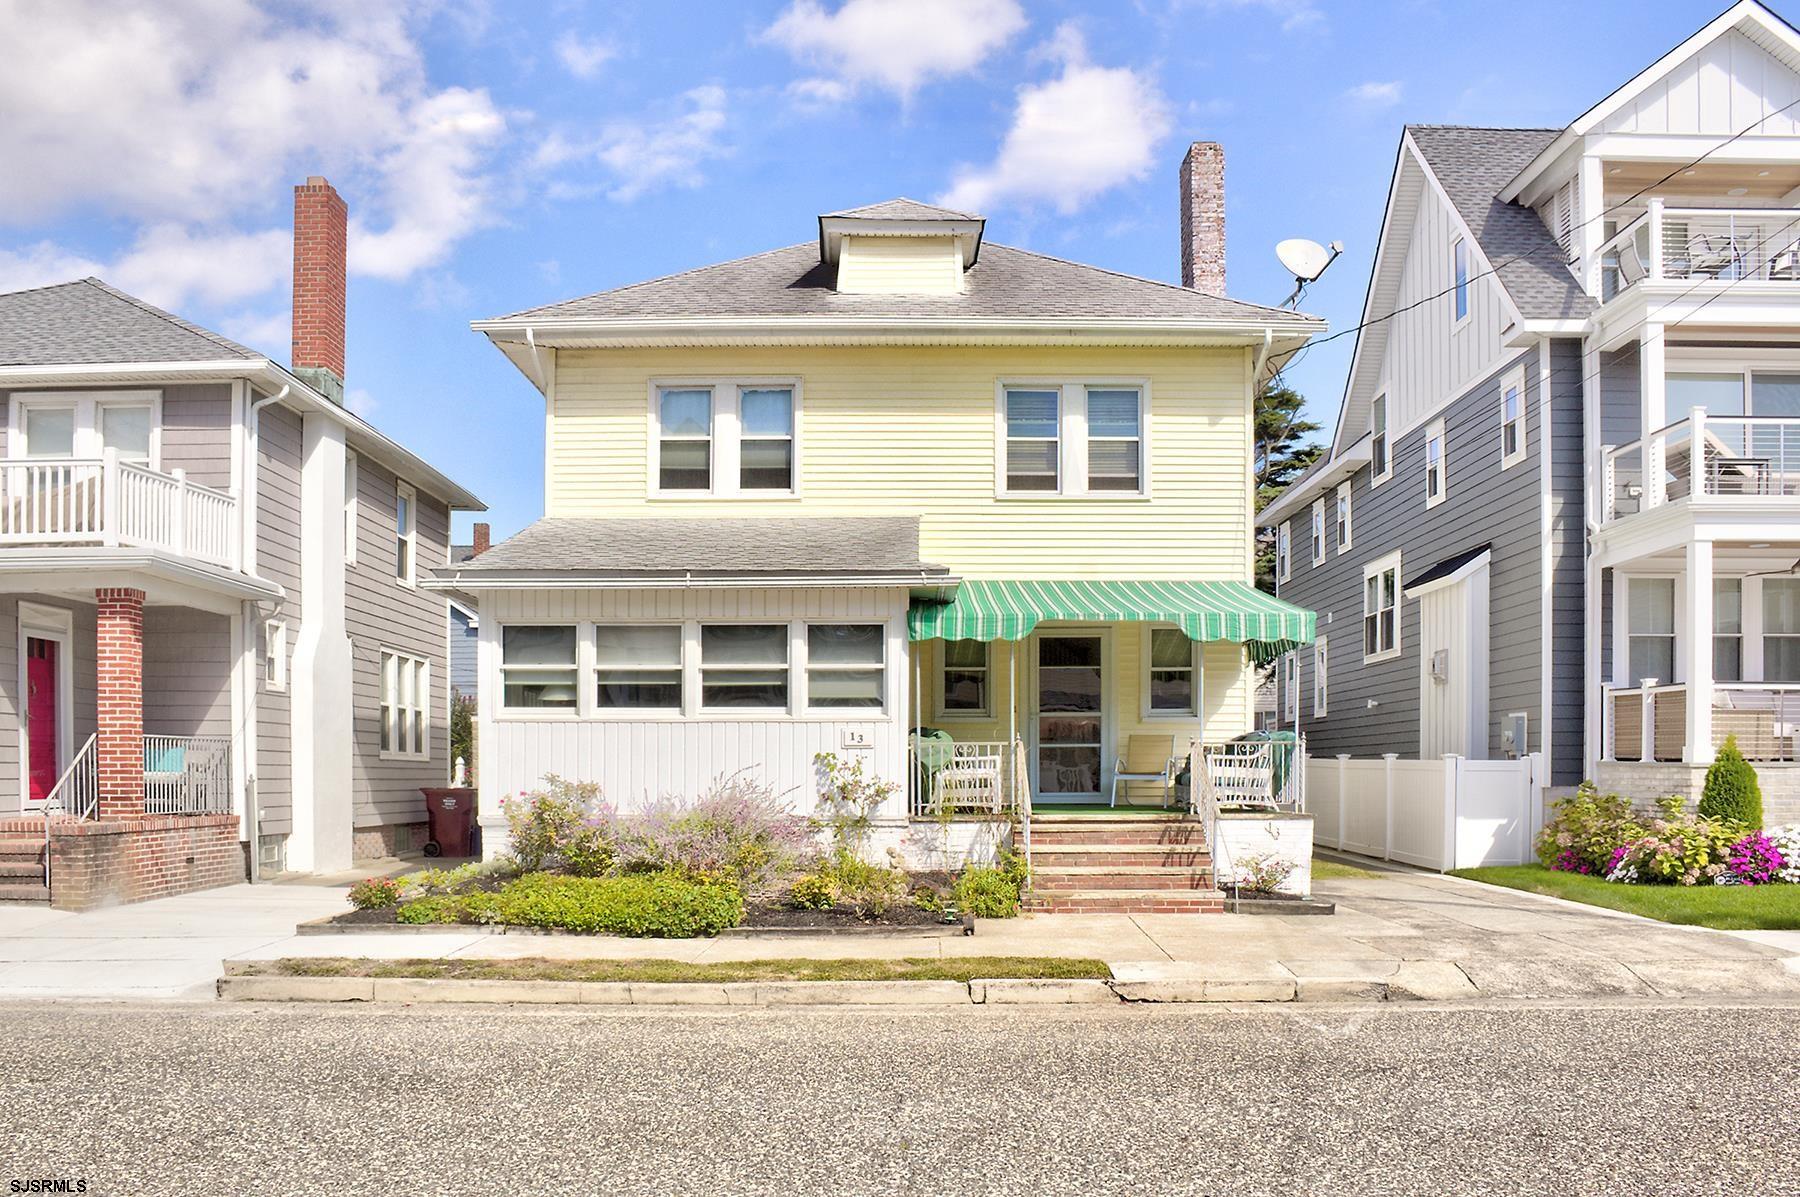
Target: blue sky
<point x="501" y="155"/>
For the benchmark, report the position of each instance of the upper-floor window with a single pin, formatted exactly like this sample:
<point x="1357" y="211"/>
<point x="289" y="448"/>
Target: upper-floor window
<point x="1284" y="556"/>
<point x="1381" y="609"/>
<point x="275" y="655"/>
<point x="1318" y="530"/>
<point x="87" y="425"/>
<point x="1072" y="439"/>
<point x="1380" y="468"/>
<point x="1343" y="515"/>
<point x="405" y="699"/>
<point x="406" y="538"/>
<point x="726" y="438"/>
<point x="1290" y="688"/>
<point x="1733" y="392"/>
<point x="1436" y="475"/>
<point x="1512" y="419"/>
<point x="351" y="508"/>
<point x="1460" y="287"/>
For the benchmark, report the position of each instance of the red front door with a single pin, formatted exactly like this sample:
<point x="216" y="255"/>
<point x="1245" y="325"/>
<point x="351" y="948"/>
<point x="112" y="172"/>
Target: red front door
<point x="41" y="715"/>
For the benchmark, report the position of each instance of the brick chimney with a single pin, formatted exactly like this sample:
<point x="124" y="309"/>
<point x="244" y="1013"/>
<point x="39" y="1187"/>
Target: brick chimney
<point x="1203" y="218"/>
<point x="481" y="541"/>
<point x="320" y="218"/>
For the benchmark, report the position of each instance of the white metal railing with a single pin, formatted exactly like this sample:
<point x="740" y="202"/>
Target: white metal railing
<point x="1731" y="245"/>
<point x="111" y="502"/>
<point x="1738" y="457"/>
<point x="187" y="775"/>
<point x="1265" y="773"/>
<point x="979" y="777"/>
<point x="75" y="795"/>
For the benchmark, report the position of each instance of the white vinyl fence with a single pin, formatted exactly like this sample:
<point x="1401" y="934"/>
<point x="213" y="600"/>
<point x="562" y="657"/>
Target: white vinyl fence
<point x="1452" y="813"/>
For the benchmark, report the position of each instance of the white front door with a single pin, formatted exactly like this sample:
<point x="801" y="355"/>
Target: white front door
<point x="1069" y="724"/>
<point x="1453" y="668"/>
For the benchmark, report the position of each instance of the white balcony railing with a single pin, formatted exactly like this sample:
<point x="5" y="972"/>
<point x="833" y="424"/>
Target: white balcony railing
<point x="1737" y="457"/>
<point x="73" y="501"/>
<point x="1732" y="245"/>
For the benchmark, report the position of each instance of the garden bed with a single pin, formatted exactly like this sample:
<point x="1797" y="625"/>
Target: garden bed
<point x="1721" y="907"/>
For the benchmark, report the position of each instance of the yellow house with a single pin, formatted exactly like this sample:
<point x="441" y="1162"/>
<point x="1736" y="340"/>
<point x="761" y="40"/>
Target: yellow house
<point x="975" y="516"/>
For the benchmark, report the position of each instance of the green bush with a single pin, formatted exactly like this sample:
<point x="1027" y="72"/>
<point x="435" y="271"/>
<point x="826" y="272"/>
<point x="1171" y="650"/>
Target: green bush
<point x="1732" y="794"/>
<point x="375" y="893"/>
<point x="1587" y="828"/>
<point x="873" y="889"/>
<point x="558" y="825"/>
<point x="990" y="891"/>
<point x="815" y="891"/>
<point x="665" y="906"/>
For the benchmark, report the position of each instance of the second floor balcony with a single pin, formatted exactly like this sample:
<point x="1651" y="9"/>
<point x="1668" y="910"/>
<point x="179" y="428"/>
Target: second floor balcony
<point x="1699" y="247"/>
<point x="110" y="502"/>
<point x="1705" y="459"/>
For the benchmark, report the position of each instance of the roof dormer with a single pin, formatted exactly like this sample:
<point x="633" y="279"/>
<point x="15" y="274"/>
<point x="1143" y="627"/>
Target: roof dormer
<point x="900" y="247"/>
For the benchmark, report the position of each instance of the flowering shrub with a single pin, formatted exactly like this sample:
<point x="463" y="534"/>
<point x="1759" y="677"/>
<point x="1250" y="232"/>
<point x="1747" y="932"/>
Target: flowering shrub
<point x="1786" y="840"/>
<point x="375" y="893"/>
<point x="1675" y="848"/>
<point x="564" y="824"/>
<point x="1588" y="827"/>
<point x="1754" y="860"/>
<point x="739" y="832"/>
<point x="1571" y="861"/>
<point x="815" y="891"/>
<point x="1263" y="874"/>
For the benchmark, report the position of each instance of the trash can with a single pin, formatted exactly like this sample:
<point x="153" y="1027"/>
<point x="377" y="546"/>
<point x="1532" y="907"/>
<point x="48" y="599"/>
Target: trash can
<point x="451" y="814"/>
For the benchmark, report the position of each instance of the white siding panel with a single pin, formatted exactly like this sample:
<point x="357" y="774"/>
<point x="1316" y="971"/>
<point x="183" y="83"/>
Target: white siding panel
<point x="1723" y="89"/>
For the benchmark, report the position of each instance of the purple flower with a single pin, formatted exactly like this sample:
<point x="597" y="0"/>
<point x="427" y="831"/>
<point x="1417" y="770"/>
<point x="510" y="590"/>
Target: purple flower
<point x="1755" y="860"/>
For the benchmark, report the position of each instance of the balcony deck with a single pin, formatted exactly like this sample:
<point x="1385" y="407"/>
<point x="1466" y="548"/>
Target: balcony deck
<point x="107" y="502"/>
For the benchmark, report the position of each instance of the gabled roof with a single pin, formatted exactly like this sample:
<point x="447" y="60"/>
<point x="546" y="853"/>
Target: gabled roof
<point x="901" y="208"/>
<point x="87" y="322"/>
<point x="1471" y="166"/>
<point x="1006" y="283"/>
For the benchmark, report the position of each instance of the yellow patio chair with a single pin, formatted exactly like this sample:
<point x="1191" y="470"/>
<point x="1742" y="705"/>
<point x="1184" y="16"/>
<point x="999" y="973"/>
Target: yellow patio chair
<point x="1147" y="759"/>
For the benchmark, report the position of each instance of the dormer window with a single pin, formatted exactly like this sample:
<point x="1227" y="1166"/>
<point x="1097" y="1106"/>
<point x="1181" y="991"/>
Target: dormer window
<point x="900" y="247"/>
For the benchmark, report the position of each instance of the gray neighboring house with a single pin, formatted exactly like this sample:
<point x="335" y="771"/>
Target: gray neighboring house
<point x="209" y="599"/>
<point x="1560" y="510"/>
<point x="465" y="622"/>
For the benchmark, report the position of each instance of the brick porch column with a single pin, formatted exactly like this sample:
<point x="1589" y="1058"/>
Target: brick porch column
<point x="119" y="655"/>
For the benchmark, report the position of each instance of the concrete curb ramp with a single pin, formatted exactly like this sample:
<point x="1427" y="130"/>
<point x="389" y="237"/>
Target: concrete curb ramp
<point x="1341" y="982"/>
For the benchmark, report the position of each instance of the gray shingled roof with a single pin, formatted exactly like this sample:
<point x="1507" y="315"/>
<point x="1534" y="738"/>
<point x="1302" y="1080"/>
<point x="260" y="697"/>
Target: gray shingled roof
<point x="1473" y="165"/>
<point x="87" y="322"/>
<point x="1005" y="283"/>
<point x="710" y="547"/>
<point x="901" y="209"/>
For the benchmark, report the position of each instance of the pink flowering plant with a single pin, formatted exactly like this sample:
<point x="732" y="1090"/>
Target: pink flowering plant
<point x="1754" y="860"/>
<point x="1676" y="848"/>
<point x="1587" y="829"/>
<point x="740" y="832"/>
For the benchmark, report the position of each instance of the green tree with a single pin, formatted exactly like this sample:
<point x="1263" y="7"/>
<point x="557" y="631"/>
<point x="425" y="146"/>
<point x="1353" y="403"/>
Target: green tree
<point x="1279" y="454"/>
<point x="1732" y="793"/>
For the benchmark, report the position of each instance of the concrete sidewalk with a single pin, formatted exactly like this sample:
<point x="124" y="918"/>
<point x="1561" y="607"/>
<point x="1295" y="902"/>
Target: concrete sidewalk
<point x="1461" y="937"/>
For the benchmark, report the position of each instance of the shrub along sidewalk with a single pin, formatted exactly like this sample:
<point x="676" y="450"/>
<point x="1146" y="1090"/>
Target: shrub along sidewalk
<point x="1721" y="907"/>
<point x="912" y="968"/>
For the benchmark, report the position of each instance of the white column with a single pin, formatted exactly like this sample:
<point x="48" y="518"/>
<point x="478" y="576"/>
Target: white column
<point x="1698" y="633"/>
<point x="1652" y="377"/>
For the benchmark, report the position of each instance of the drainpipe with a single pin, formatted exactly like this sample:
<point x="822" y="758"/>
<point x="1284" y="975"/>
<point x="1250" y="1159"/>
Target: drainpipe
<point x="251" y="618"/>
<point x="1262" y="359"/>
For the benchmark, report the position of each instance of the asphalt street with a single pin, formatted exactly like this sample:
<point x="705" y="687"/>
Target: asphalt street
<point x="188" y="1099"/>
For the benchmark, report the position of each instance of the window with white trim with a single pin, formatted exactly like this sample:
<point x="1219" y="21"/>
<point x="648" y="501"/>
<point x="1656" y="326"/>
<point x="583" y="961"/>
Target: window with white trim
<point x="1781" y="629"/>
<point x="405" y="699"/>
<point x="685" y="438"/>
<point x="1290" y="688"/>
<point x="1728" y="629"/>
<point x="1343" y="515"/>
<point x="1115" y="439"/>
<point x="1436" y="474"/>
<point x="1073" y="439"/>
<point x="1284" y="556"/>
<point x="1033" y="439"/>
<point x="744" y="666"/>
<point x="1381" y="466"/>
<point x="1319" y="677"/>
<point x="1459" y="254"/>
<point x="406" y="533"/>
<point x="638" y="667"/>
<point x="725" y="438"/>
<point x="968" y="672"/>
<point x="87" y="424"/>
<point x="1650" y="628"/>
<point x="1170" y="675"/>
<point x="1512" y="419"/>
<point x="350" y="508"/>
<point x="846" y="665"/>
<point x="537" y="667"/>
<point x="275" y="655"/>
<point x="766" y="438"/>
<point x="1318" y="530"/>
<point x="1381" y="609"/>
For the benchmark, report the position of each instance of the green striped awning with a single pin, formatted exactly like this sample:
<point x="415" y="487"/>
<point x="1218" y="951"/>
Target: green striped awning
<point x="1206" y="611"/>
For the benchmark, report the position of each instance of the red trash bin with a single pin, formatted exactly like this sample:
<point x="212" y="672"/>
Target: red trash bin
<point x="451" y="814"/>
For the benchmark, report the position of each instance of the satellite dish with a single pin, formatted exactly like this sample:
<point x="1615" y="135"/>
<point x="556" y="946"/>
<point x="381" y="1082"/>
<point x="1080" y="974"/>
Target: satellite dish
<point x="1305" y="260"/>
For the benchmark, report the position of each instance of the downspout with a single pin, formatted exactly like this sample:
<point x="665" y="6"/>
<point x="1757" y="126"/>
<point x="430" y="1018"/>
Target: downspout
<point x="1262" y="359"/>
<point x="250" y="618"/>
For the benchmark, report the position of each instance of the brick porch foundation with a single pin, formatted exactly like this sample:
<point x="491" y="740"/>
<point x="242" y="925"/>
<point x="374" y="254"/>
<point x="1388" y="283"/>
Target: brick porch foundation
<point x="94" y="864"/>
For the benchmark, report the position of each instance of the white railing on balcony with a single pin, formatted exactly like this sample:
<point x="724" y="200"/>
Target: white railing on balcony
<point x="1739" y="456"/>
<point x="1725" y="244"/>
<point x="187" y="775"/>
<point x="1649" y="723"/>
<point x="52" y="501"/>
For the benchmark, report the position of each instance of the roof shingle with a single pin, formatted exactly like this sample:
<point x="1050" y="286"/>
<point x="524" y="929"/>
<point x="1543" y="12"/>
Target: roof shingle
<point x="87" y="322"/>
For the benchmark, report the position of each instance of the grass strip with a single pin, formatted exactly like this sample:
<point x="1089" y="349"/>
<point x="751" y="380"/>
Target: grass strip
<point x="1335" y="870"/>
<point x="1722" y="907"/>
<point x="537" y="968"/>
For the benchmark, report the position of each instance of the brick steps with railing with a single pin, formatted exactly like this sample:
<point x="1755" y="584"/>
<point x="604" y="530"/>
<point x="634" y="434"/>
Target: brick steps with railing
<point x="1132" y="864"/>
<point x="22" y="870"/>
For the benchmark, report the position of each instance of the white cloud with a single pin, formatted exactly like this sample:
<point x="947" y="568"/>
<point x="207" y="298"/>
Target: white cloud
<point x="895" y="45"/>
<point x="583" y="57"/>
<point x="185" y="121"/>
<point x="170" y="264"/>
<point x="361" y="402"/>
<point x="1375" y="95"/>
<point x="1087" y="130"/>
<point x="643" y="155"/>
<point x="42" y="264"/>
<point x="269" y="332"/>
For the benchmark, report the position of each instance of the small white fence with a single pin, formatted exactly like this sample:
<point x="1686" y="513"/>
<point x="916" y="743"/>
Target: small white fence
<point x="1452" y="813"/>
<point x="54" y="501"/>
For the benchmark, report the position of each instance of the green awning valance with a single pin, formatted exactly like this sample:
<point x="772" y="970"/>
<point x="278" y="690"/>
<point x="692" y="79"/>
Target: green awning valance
<point x="1206" y="611"/>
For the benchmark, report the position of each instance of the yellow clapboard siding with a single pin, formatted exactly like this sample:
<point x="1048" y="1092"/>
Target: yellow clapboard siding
<point x="912" y="430"/>
<point x="899" y="266"/>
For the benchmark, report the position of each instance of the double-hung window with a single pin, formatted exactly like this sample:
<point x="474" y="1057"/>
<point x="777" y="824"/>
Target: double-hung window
<point x="87" y="424"/>
<point x="1072" y="439"/>
<point x="275" y="655"/>
<point x="1115" y="439"/>
<point x="744" y="666"/>
<point x="725" y="438"/>
<point x="1290" y="688"/>
<point x="406" y="540"/>
<point x="638" y="667"/>
<point x="1436" y="473"/>
<point x="1172" y="674"/>
<point x="685" y="441"/>
<point x="1284" y="551"/>
<point x="1033" y="439"/>
<point x="1381" y="609"/>
<point x="846" y="665"/>
<point x="1650" y="636"/>
<point x="1318" y="530"/>
<point x="1320" y="688"/>
<point x="1781" y="629"/>
<point x="1343" y="515"/>
<point x="766" y="438"/>
<point x="1512" y="419"/>
<point x="405" y="697"/>
<point x="1460" y="285"/>
<point x="1728" y="629"/>
<point x="966" y="678"/>
<point x="537" y="667"/>
<point x="1380" y="468"/>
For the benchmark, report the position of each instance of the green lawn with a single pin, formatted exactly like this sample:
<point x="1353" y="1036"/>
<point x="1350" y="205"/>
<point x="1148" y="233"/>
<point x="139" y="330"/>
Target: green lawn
<point x="1724" y="907"/>
<point x="540" y="969"/>
<point x="1334" y="870"/>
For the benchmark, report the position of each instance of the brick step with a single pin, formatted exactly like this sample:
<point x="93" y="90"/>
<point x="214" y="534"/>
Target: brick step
<point x="1187" y="856"/>
<point x="1124" y="901"/>
<point x="14" y="845"/>
<point x="1113" y="877"/>
<point x="1180" y="833"/>
<point x="20" y="891"/>
<point x="21" y="868"/>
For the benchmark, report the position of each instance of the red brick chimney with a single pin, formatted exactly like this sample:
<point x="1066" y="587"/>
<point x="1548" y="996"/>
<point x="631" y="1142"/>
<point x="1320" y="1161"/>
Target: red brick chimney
<point x="320" y="220"/>
<point x="481" y="541"/>
<point x="1203" y="218"/>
